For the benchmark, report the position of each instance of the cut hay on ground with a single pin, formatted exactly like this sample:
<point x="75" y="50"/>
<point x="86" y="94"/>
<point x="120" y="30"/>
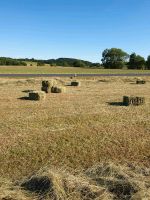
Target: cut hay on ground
<point x="66" y="135"/>
<point x="105" y="181"/>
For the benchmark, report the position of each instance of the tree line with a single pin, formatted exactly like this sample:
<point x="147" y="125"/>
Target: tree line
<point x="11" y="62"/>
<point x="115" y="58"/>
<point x="65" y="62"/>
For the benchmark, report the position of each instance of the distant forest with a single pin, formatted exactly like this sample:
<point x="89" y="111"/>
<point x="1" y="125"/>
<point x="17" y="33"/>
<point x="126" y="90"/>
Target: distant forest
<point x="113" y="58"/>
<point x="64" y="62"/>
<point x="12" y="62"/>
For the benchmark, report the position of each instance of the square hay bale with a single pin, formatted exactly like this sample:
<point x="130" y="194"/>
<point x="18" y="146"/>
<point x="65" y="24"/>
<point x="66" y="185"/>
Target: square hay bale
<point x="75" y="83"/>
<point x="140" y="82"/>
<point x="58" y="89"/>
<point x="37" y="95"/>
<point x="135" y="101"/>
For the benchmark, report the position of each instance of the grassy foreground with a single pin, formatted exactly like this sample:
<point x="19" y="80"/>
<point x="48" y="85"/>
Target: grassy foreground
<point x="78" y="145"/>
<point x="64" y="70"/>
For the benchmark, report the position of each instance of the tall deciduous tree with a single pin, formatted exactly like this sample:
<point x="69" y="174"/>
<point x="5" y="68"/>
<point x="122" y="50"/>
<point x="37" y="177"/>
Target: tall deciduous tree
<point x="148" y="62"/>
<point x="114" y="58"/>
<point x="136" y="62"/>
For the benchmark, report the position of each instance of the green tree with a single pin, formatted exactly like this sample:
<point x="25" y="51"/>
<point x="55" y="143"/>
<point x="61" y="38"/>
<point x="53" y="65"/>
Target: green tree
<point x="11" y="61"/>
<point x="114" y="58"/>
<point x="148" y="62"/>
<point x="136" y="62"/>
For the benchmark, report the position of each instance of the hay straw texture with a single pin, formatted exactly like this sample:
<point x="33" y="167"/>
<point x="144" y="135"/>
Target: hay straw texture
<point x="58" y="89"/>
<point x="105" y="181"/>
<point x="37" y="95"/>
<point x="10" y="191"/>
<point x="81" y="145"/>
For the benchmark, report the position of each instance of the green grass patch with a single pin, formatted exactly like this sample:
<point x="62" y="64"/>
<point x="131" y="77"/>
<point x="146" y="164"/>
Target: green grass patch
<point x="64" y="70"/>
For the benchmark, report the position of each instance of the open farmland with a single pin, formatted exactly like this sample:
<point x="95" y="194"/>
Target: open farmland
<point x="64" y="70"/>
<point x="85" y="132"/>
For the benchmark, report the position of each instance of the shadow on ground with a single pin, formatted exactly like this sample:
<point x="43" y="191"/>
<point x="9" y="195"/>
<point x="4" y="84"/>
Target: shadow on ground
<point x="115" y="103"/>
<point x="27" y="91"/>
<point x="38" y="184"/>
<point x="133" y="83"/>
<point x="24" y="98"/>
<point x="68" y="84"/>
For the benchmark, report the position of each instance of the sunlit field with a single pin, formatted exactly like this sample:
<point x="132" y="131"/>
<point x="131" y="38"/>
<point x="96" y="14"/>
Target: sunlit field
<point x="83" y="142"/>
<point x="65" y="70"/>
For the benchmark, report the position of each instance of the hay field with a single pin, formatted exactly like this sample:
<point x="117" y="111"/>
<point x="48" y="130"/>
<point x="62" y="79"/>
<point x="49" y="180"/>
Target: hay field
<point x="65" y="70"/>
<point x="82" y="144"/>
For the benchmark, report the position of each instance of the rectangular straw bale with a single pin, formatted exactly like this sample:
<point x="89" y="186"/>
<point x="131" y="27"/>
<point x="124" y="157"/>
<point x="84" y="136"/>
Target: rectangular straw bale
<point x="136" y="101"/>
<point x="75" y="83"/>
<point x="37" y="95"/>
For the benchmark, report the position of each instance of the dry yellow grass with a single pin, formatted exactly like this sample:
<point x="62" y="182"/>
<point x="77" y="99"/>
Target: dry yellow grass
<point x="102" y="182"/>
<point x="74" y="130"/>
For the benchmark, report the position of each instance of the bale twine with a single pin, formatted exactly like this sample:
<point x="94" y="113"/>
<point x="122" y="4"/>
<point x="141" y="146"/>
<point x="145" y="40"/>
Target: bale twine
<point x="37" y="95"/>
<point x="58" y="89"/>
<point x="135" y="101"/>
<point x="75" y="83"/>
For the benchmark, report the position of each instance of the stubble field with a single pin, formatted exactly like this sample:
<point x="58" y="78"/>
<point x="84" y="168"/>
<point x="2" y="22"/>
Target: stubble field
<point x="72" y="132"/>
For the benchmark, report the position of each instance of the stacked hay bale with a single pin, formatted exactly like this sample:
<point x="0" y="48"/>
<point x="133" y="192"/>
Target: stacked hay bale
<point x="75" y="83"/>
<point x="53" y="86"/>
<point x="136" y="101"/>
<point x="47" y="85"/>
<point x="37" y="95"/>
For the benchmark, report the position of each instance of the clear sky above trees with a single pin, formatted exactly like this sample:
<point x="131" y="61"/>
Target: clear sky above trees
<point x="73" y="28"/>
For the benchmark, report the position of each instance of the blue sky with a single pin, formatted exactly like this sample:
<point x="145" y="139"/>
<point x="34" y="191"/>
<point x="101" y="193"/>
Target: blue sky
<point x="73" y="28"/>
